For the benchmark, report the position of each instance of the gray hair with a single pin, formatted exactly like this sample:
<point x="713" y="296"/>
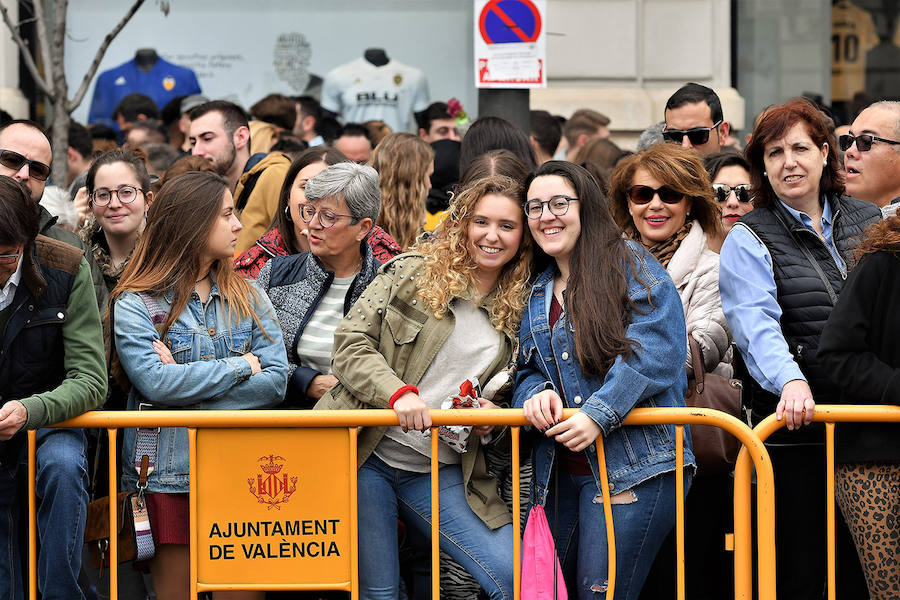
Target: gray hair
<point x="356" y="184"/>
<point x="651" y="136"/>
<point x="893" y="106"/>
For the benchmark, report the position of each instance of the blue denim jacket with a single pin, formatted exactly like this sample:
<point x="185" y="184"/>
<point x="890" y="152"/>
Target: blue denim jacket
<point x="653" y="376"/>
<point x="209" y="375"/>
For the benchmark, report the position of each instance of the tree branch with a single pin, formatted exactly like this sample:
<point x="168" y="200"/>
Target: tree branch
<point x="26" y="52"/>
<point x="82" y="90"/>
<point x="43" y="42"/>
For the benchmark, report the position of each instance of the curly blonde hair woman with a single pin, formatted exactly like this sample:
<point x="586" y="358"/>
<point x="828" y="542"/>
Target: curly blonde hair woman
<point x="427" y="323"/>
<point x="404" y="163"/>
<point x="450" y="268"/>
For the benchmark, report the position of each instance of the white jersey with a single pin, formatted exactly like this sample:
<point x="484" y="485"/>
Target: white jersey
<point x="360" y="91"/>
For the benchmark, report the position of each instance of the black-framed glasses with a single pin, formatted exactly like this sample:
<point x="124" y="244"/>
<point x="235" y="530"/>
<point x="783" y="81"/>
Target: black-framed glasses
<point x="697" y="136"/>
<point x="125" y="193"/>
<point x="327" y="217"/>
<point x="15" y="161"/>
<point x="8" y="259"/>
<point x="643" y="194"/>
<point x="863" y="142"/>
<point x="741" y="192"/>
<point x="557" y="205"/>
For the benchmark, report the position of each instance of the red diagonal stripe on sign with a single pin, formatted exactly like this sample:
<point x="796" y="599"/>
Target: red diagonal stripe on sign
<point x="495" y="6"/>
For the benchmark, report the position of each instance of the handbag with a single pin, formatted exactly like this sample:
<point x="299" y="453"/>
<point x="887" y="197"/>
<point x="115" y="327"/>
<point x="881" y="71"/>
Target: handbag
<point x="133" y="534"/>
<point x="132" y="529"/>
<point x="97" y="530"/>
<point x="542" y="576"/>
<point x="715" y="449"/>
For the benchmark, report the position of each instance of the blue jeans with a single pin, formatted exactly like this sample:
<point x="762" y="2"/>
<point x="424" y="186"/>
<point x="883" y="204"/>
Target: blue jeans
<point x="61" y="490"/>
<point x="386" y="493"/>
<point x="641" y="522"/>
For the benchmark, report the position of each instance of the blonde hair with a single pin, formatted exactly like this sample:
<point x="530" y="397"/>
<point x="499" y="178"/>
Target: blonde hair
<point x="450" y="268"/>
<point x="402" y="160"/>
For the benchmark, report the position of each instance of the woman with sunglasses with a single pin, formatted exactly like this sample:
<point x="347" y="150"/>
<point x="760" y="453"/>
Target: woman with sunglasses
<point x="730" y="175"/>
<point x="312" y="291"/>
<point x="782" y="268"/>
<point x="603" y="331"/>
<point x="290" y="233"/>
<point x="119" y="196"/>
<point x="662" y="198"/>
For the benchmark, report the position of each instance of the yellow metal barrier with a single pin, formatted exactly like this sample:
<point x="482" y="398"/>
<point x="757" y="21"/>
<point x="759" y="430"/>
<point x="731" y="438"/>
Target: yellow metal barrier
<point x="753" y="449"/>
<point x="828" y="414"/>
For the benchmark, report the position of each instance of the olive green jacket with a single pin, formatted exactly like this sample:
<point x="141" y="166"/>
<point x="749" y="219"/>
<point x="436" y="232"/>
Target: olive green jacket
<point x="388" y="340"/>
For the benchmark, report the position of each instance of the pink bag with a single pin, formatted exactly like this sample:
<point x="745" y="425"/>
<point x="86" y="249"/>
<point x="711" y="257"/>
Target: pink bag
<point x="539" y="560"/>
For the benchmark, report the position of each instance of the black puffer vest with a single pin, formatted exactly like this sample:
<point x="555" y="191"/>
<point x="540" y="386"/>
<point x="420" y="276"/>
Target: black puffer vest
<point x="32" y="352"/>
<point x="804" y="298"/>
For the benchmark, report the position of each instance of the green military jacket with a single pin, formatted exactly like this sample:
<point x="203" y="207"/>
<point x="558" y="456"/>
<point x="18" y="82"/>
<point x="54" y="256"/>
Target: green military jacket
<point x="388" y="340"/>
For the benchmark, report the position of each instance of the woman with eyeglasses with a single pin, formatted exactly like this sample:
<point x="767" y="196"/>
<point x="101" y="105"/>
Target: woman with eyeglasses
<point x="603" y="331"/>
<point x="313" y="290"/>
<point x="290" y="233"/>
<point x="782" y="268"/>
<point x="663" y="199"/>
<point x="730" y="175"/>
<point x="119" y="196"/>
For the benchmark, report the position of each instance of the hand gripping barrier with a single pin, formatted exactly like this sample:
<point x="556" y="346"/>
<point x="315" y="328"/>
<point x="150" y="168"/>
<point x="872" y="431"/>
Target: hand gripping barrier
<point x="753" y="450"/>
<point x="824" y="413"/>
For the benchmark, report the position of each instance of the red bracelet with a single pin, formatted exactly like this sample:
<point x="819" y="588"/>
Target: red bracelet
<point x="400" y="392"/>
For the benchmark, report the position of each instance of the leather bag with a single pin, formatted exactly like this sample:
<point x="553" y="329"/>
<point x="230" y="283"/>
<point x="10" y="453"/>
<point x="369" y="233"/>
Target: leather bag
<point x="715" y="449"/>
<point x="96" y="531"/>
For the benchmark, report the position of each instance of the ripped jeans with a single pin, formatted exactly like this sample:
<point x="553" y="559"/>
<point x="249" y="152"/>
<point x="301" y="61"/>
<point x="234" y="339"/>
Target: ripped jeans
<point x="642" y="518"/>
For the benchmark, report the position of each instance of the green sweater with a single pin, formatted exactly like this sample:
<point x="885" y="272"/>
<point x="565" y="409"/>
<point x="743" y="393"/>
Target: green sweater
<point x="84" y="387"/>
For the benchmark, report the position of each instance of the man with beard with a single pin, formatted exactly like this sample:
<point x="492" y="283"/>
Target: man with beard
<point x="220" y="133"/>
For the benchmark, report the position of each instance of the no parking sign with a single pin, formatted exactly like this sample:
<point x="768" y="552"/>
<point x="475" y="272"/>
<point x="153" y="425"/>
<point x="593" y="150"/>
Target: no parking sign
<point x="510" y="47"/>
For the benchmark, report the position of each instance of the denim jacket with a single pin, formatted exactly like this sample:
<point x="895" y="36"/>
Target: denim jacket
<point x="653" y="376"/>
<point x="209" y="375"/>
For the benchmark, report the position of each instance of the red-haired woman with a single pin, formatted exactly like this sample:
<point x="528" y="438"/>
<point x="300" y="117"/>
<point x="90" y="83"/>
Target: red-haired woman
<point x="782" y="267"/>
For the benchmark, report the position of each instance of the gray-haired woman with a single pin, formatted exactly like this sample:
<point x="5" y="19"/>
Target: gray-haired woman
<point x="312" y="291"/>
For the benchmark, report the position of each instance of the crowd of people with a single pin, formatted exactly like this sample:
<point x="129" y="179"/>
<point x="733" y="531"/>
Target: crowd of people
<point x="226" y="260"/>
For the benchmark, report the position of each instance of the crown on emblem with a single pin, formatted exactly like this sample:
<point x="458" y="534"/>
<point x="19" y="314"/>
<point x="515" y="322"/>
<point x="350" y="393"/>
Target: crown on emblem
<point x="271" y="467"/>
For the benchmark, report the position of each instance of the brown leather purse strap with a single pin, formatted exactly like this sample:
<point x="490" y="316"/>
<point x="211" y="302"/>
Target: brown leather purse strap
<point x="697" y="363"/>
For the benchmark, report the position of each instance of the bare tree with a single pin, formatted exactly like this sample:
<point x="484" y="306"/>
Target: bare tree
<point x="51" y="47"/>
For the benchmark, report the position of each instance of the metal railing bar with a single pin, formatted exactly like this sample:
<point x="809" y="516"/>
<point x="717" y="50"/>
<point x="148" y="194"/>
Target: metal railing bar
<point x="679" y="511"/>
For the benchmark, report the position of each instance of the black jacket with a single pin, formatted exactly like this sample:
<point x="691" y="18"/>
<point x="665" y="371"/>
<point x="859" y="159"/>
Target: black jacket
<point x="31" y="349"/>
<point x="805" y="299"/>
<point x="860" y="351"/>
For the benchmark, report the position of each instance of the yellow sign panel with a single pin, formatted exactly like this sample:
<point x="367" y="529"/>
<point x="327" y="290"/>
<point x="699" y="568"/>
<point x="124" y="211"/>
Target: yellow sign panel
<point x="274" y="506"/>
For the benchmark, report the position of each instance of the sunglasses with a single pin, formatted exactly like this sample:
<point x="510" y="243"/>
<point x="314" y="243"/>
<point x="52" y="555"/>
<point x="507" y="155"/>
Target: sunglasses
<point x="863" y="142"/>
<point x="696" y="136"/>
<point x="741" y="192"/>
<point x="643" y="194"/>
<point x="15" y="161"/>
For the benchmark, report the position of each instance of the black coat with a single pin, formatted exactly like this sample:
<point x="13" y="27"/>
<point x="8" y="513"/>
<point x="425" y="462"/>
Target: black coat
<point x="859" y="349"/>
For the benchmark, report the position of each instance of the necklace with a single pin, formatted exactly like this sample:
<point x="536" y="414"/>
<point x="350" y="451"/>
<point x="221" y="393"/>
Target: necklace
<point x="201" y="279"/>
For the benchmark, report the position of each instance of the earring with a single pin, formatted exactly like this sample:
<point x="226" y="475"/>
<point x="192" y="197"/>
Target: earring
<point x="825" y="163"/>
<point x="765" y="174"/>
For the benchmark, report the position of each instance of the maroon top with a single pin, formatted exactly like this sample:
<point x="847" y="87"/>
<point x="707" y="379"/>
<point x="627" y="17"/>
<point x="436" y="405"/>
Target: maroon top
<point x="572" y="462"/>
